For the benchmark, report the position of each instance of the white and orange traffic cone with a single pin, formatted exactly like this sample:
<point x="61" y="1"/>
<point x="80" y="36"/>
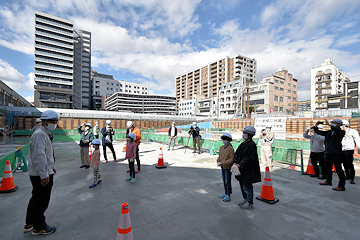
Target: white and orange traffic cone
<point x="125" y="144"/>
<point x="7" y="184"/>
<point x="160" y="160"/>
<point x="267" y="192"/>
<point x="310" y="168"/>
<point x="124" y="229"/>
<point x="90" y="152"/>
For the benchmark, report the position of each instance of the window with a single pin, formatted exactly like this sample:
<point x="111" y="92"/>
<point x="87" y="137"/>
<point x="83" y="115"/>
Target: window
<point x="294" y="86"/>
<point x="267" y="80"/>
<point x="276" y="98"/>
<point x="117" y="84"/>
<point x="294" y="99"/>
<point x="130" y="91"/>
<point x="276" y="108"/>
<point x="126" y="86"/>
<point x="281" y="82"/>
<point x="126" y="90"/>
<point x="289" y="98"/>
<point x="289" y="84"/>
<point x="294" y="92"/>
<point x="281" y="109"/>
<point x="276" y="88"/>
<point x="107" y="83"/>
<point x="281" y="89"/>
<point x="276" y="81"/>
<point x="281" y="99"/>
<point x="112" y="83"/>
<point x="289" y="91"/>
<point x="111" y="88"/>
<point x="107" y="88"/>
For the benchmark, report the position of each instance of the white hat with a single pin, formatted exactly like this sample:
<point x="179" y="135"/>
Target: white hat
<point x="88" y="125"/>
<point x="108" y="122"/>
<point x="268" y="126"/>
<point x="194" y="123"/>
<point x="346" y="123"/>
<point x="173" y="122"/>
<point x="129" y="124"/>
<point x="38" y="120"/>
<point x="320" y="126"/>
<point x="50" y="115"/>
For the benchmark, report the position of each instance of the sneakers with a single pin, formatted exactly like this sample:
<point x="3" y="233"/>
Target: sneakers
<point x="138" y="171"/>
<point x="99" y="181"/>
<point x="194" y="151"/>
<point x="133" y="180"/>
<point x="47" y="230"/>
<point x="106" y="161"/>
<point x="168" y="149"/>
<point x="82" y="166"/>
<point x="227" y="198"/>
<point x="87" y="166"/>
<point x="28" y="228"/>
<point x="222" y="195"/>
<point x="352" y="181"/>
<point x="92" y="185"/>
<point x="129" y="178"/>
<point x="242" y="203"/>
<point x="115" y="160"/>
<point x="247" y="206"/>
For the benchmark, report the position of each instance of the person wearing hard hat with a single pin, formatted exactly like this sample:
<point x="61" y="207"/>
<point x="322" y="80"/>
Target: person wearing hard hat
<point x="348" y="147"/>
<point x="333" y="152"/>
<point x="137" y="132"/>
<point x="38" y="124"/>
<point x="195" y="132"/>
<point x="225" y="161"/>
<point x="96" y="130"/>
<point x="247" y="160"/>
<point x="41" y="163"/>
<point x="317" y="151"/>
<point x="86" y="138"/>
<point x="267" y="138"/>
<point x="172" y="135"/>
<point x="95" y="163"/>
<point x="107" y="139"/>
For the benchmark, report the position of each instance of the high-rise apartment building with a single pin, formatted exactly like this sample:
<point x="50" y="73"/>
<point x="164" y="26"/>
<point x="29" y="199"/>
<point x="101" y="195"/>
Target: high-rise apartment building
<point x="208" y="79"/>
<point x="82" y="70"/>
<point x="326" y="80"/>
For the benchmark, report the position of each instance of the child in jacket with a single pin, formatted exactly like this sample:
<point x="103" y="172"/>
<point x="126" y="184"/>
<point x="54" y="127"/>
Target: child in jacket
<point x="131" y="156"/>
<point x="95" y="163"/>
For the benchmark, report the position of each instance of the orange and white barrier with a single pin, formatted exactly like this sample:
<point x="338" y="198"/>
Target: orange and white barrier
<point x="160" y="160"/>
<point x="267" y="192"/>
<point x="90" y="152"/>
<point x="7" y="184"/>
<point x="124" y="230"/>
<point x="125" y="144"/>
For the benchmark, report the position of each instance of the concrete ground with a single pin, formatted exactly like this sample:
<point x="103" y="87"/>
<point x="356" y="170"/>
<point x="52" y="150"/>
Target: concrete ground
<point x="180" y="202"/>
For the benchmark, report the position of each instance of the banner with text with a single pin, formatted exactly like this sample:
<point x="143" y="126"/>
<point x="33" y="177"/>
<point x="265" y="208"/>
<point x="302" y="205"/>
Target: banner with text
<point x="278" y="124"/>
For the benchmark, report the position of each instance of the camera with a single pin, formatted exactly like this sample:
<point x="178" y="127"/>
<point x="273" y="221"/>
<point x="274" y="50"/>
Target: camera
<point x="319" y="122"/>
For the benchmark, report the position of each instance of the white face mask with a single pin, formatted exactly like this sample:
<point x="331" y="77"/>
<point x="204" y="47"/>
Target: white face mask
<point x="245" y="136"/>
<point x="51" y="126"/>
<point x="267" y="130"/>
<point x="87" y="128"/>
<point x="173" y="125"/>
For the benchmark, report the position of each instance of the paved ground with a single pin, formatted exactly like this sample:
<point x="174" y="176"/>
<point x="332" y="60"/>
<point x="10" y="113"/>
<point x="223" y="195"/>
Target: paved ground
<point x="180" y="202"/>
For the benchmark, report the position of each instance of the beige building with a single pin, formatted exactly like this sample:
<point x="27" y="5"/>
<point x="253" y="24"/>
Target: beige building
<point x="283" y="91"/>
<point x="207" y="80"/>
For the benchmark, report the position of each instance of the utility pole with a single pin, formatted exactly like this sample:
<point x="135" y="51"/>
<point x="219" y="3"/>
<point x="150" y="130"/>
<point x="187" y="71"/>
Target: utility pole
<point x="248" y="100"/>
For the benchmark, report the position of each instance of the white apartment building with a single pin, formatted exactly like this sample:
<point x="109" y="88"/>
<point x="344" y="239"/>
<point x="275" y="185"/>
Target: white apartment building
<point x="208" y="107"/>
<point x="189" y="107"/>
<point x="260" y="97"/>
<point x="228" y="98"/>
<point x="326" y="80"/>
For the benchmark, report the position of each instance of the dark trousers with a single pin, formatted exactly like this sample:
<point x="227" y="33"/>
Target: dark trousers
<point x="315" y="158"/>
<point x="137" y="158"/>
<point x="348" y="159"/>
<point x="247" y="191"/>
<point x="38" y="203"/>
<point x="226" y="176"/>
<point x="111" y="148"/>
<point x="132" y="168"/>
<point x="337" y="159"/>
<point x="196" y="141"/>
<point x="96" y="136"/>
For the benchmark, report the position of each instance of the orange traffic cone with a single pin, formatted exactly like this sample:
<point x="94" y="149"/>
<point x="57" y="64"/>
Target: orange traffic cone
<point x="356" y="153"/>
<point x="124" y="229"/>
<point x="90" y="152"/>
<point x="125" y="144"/>
<point x="310" y="168"/>
<point x="7" y="184"/>
<point x="160" y="160"/>
<point x="267" y="192"/>
<point x="333" y="168"/>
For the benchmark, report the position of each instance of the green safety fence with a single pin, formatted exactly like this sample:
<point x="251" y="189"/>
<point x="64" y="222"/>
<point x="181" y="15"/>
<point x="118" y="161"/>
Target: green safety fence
<point x="11" y="157"/>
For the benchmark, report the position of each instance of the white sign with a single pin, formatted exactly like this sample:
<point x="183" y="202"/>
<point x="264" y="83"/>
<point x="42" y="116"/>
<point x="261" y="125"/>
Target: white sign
<point x="278" y="124"/>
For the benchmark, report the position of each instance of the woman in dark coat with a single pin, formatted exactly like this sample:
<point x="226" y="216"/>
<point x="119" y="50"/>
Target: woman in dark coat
<point x="246" y="158"/>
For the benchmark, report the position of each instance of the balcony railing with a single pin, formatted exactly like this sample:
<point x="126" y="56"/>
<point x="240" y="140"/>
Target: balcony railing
<point x="53" y="36"/>
<point x="54" y="42"/>
<point x="53" y="68"/>
<point x="53" y="49"/>
<point x="53" y="61"/>
<point x="53" y="55"/>
<point x="53" y="23"/>
<point x="70" y="34"/>
<point x="53" y="74"/>
<point x="50" y="80"/>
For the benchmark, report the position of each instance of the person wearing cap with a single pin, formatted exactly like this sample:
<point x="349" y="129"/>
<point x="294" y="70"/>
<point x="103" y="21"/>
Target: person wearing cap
<point x="317" y="150"/>
<point x="107" y="139"/>
<point x="195" y="132"/>
<point x="267" y="138"/>
<point x="333" y="152"/>
<point x="86" y="138"/>
<point x="137" y="133"/>
<point x="41" y="166"/>
<point x="38" y="124"/>
<point x="247" y="160"/>
<point x="172" y="135"/>
<point x="96" y="130"/>
<point x="95" y="163"/>
<point x="225" y="161"/>
<point x="348" y="147"/>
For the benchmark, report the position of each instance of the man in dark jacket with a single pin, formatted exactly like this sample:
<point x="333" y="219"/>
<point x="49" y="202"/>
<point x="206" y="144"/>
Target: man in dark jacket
<point x="172" y="135"/>
<point x="246" y="158"/>
<point x="333" y="152"/>
<point x="195" y="132"/>
<point x="86" y="138"/>
<point x="107" y="139"/>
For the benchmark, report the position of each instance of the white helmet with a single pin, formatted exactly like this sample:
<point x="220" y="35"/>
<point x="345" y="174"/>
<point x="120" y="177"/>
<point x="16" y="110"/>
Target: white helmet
<point x="194" y="123"/>
<point x="50" y="115"/>
<point x="346" y="123"/>
<point x="38" y="120"/>
<point x="320" y="126"/>
<point x="250" y="130"/>
<point x="129" y="124"/>
<point x="108" y="122"/>
<point x="88" y="125"/>
<point x="268" y="126"/>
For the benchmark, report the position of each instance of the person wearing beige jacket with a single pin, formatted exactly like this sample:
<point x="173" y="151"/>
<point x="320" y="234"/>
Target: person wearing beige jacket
<point x="225" y="161"/>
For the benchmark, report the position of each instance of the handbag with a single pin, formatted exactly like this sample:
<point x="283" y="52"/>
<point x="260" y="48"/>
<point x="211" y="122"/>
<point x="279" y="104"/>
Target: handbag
<point x="235" y="170"/>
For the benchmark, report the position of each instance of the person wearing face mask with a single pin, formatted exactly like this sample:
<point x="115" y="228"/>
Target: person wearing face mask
<point x="333" y="152"/>
<point x="172" y="135"/>
<point x="107" y="139"/>
<point x="348" y="147"/>
<point x="317" y="149"/>
<point x="41" y="165"/>
<point x="96" y="130"/>
<point x="86" y="137"/>
<point x="267" y="138"/>
<point x="38" y="124"/>
<point x="195" y="132"/>
<point x="225" y="161"/>
<point x="247" y="160"/>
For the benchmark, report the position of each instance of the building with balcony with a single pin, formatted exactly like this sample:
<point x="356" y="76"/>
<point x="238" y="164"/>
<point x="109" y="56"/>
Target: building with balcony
<point x="208" y="107"/>
<point x="189" y="107"/>
<point x="106" y="85"/>
<point x="282" y="92"/>
<point x="139" y="103"/>
<point x="326" y="80"/>
<point x="207" y="80"/>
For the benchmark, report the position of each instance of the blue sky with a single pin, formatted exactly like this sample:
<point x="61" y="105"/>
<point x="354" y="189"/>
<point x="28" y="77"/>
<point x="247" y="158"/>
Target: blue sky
<point x="153" y="41"/>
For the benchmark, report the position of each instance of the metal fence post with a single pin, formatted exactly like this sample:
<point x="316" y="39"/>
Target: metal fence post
<point x="302" y="162"/>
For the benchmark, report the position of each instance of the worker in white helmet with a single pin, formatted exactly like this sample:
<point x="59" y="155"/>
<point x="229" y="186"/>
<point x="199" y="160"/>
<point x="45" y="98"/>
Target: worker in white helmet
<point x="348" y="147"/>
<point x="267" y="138"/>
<point x="41" y="163"/>
<point x="86" y="137"/>
<point x="195" y="132"/>
<point x="38" y="124"/>
<point x="107" y="139"/>
<point x="96" y="130"/>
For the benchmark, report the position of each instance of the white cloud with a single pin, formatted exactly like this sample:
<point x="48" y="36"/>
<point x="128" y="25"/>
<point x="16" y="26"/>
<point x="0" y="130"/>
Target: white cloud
<point x="30" y="98"/>
<point x="14" y="79"/>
